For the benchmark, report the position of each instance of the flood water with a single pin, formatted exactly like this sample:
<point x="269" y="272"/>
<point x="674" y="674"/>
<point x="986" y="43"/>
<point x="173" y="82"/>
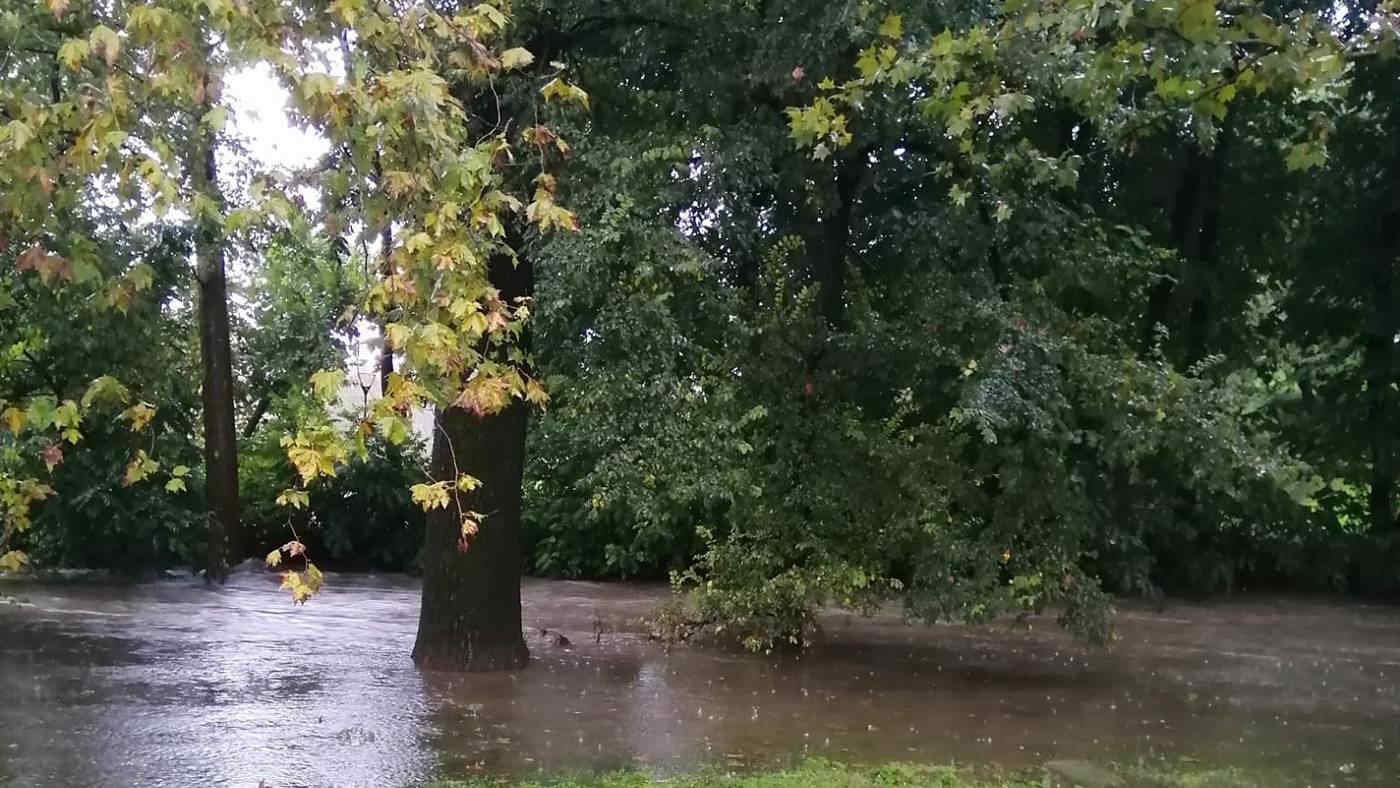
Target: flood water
<point x="170" y="683"/>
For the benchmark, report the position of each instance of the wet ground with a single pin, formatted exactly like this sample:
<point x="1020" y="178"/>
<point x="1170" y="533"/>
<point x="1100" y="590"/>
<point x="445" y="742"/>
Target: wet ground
<point x="172" y="684"/>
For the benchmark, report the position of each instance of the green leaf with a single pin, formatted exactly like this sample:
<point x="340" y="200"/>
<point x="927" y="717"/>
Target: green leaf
<point x="105" y="390"/>
<point x="297" y="499"/>
<point x="105" y="41"/>
<point x="493" y="14"/>
<point x="327" y="383"/>
<point x="215" y="118"/>
<point x="892" y="27"/>
<point x="72" y="53"/>
<point x="18" y="133"/>
<point x="958" y="195"/>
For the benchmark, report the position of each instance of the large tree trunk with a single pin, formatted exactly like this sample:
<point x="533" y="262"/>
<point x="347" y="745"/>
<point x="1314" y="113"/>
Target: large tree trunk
<point x="470" y="618"/>
<point x="1382" y="327"/>
<point x="216" y="357"/>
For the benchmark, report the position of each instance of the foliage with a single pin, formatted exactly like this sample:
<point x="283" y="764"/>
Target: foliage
<point x="362" y="517"/>
<point x="74" y="430"/>
<point x="127" y="100"/>
<point x="960" y="347"/>
<point x="984" y="308"/>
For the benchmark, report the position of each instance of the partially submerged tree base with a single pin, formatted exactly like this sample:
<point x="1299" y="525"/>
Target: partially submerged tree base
<point x="470" y="619"/>
<point x="472" y="653"/>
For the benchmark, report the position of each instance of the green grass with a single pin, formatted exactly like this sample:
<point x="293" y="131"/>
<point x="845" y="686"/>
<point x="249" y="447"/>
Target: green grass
<point x="825" y="774"/>
<point x="812" y="774"/>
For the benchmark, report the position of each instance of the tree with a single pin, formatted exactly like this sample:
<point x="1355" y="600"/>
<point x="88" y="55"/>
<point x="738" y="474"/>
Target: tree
<point x="413" y="149"/>
<point x="981" y="364"/>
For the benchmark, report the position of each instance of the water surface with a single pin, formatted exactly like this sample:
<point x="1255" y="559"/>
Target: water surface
<point x="171" y="683"/>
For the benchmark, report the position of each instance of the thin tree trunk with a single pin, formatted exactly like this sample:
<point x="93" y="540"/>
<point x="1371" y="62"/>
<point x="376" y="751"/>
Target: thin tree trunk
<point x="834" y="239"/>
<point x="216" y="357"/>
<point x="470" y="618"/>
<point x="1185" y="226"/>
<point x="1203" y="264"/>
<point x="1380" y="372"/>
<point x="255" y="418"/>
<point x="386" y="269"/>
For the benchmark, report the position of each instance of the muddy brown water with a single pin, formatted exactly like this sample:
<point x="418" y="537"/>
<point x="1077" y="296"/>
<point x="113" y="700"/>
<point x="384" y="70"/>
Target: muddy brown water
<point x="170" y="683"/>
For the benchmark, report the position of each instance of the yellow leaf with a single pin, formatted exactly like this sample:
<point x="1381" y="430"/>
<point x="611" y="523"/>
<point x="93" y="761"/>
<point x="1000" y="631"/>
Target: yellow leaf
<point x="274" y="558"/>
<point x="518" y="57"/>
<point x="13" y="561"/>
<point x="14" y="420"/>
<point x="139" y="415"/>
<point x="297" y="499"/>
<point x="430" y="496"/>
<point x="139" y="468"/>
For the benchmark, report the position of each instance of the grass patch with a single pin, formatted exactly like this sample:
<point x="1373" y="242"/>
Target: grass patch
<point x="811" y="774"/>
<point x="816" y="773"/>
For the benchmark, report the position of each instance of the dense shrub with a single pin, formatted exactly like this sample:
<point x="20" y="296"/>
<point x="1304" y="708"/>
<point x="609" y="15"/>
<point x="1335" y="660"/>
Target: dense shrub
<point x="362" y="518"/>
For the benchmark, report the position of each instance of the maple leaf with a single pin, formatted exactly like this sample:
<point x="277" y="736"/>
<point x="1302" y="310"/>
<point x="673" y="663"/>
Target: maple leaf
<point x="430" y="496"/>
<point x="139" y="468"/>
<point x="518" y="57"/>
<point x="139" y="415"/>
<point x="297" y="499"/>
<point x="13" y="561"/>
<point x="14" y="420"/>
<point x="52" y="456"/>
<point x="48" y="266"/>
<point x="327" y="382"/>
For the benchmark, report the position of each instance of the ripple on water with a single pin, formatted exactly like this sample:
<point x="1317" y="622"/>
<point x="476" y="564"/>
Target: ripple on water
<point x="174" y="684"/>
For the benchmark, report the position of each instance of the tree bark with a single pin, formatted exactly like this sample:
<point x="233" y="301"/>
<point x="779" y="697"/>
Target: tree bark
<point x="1192" y="229"/>
<point x="1380" y="372"/>
<point x="470" y="617"/>
<point x="833" y="239"/>
<point x="386" y="353"/>
<point x="1382" y="328"/>
<point x="1202" y="265"/>
<point x="216" y="357"/>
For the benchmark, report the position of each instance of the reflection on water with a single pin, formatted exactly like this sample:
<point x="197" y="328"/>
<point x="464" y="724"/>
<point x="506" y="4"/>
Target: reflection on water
<point x="173" y="684"/>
